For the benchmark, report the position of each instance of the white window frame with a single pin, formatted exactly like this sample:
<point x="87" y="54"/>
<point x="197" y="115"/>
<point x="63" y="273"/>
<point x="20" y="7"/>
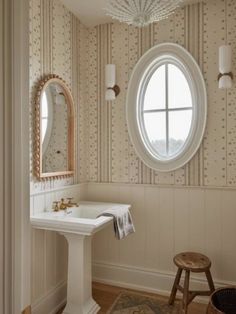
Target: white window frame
<point x="149" y="62"/>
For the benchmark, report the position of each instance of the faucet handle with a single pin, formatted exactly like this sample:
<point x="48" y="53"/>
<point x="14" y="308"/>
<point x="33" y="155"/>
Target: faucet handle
<point x="63" y="205"/>
<point x="69" y="203"/>
<point x="55" y="206"/>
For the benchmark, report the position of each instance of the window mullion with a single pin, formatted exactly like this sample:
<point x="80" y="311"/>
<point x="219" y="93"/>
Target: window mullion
<point x="167" y="110"/>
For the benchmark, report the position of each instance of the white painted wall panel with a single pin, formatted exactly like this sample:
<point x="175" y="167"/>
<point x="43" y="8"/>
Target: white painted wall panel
<point x="196" y="219"/>
<point x="181" y="213"/>
<point x="213" y="234"/>
<point x="168" y="221"/>
<point x="152" y="220"/>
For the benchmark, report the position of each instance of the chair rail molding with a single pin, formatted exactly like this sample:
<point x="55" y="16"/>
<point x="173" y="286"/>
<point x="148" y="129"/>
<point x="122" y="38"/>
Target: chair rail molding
<point x="14" y="159"/>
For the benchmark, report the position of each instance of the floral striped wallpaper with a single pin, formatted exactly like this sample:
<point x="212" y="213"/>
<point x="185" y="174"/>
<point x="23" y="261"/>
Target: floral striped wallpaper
<point x="57" y="45"/>
<point x="61" y="45"/>
<point x="201" y="28"/>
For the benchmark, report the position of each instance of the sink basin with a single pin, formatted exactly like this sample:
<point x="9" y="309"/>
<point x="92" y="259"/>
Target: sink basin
<point x="78" y="224"/>
<point x="79" y="220"/>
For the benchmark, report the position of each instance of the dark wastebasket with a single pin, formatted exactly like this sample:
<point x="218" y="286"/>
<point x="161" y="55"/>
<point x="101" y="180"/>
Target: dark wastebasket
<point x="223" y="301"/>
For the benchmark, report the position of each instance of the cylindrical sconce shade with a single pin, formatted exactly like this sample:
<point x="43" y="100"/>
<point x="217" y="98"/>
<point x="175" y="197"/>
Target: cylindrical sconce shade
<point x="225" y="57"/>
<point x="225" y="64"/>
<point x="110" y="75"/>
<point x="110" y="95"/>
<point x="225" y="82"/>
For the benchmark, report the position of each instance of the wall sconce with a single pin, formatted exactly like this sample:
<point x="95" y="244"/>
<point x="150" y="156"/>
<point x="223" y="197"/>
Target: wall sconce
<point x="225" y="67"/>
<point x="112" y="90"/>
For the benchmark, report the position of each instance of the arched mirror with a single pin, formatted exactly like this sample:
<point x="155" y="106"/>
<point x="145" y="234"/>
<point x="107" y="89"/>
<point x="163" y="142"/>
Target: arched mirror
<point x="166" y="107"/>
<point x="54" y="129"/>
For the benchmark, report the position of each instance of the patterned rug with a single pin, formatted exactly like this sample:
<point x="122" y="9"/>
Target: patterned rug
<point x="135" y="303"/>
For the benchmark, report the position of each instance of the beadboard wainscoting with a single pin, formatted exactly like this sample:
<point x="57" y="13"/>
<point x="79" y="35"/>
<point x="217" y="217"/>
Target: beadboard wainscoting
<point x="168" y="220"/>
<point x="49" y="253"/>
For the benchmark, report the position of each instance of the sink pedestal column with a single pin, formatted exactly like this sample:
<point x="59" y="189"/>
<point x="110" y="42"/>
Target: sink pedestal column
<point x="79" y="285"/>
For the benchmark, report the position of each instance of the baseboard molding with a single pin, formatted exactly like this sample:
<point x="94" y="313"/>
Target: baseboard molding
<point x="51" y="302"/>
<point x="125" y="276"/>
<point x="147" y="280"/>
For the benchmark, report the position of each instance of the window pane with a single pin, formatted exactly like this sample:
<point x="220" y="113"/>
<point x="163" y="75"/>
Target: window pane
<point x="44" y="106"/>
<point x="155" y="95"/>
<point x="179" y="92"/>
<point x="179" y="127"/>
<point x="155" y="126"/>
<point x="44" y="128"/>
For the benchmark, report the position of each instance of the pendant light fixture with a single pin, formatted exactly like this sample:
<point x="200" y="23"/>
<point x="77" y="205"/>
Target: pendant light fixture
<point x="141" y="12"/>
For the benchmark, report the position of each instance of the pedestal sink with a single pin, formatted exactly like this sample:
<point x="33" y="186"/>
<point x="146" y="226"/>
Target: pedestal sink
<point x="78" y="225"/>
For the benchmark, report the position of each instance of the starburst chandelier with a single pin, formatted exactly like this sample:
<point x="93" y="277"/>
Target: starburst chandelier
<point x="141" y="12"/>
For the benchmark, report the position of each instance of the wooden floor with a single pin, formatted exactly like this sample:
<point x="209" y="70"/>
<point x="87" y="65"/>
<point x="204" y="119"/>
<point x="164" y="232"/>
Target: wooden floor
<point x="106" y="295"/>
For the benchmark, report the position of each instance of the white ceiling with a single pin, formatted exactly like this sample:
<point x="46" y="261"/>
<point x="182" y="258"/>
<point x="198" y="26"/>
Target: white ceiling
<point x="91" y="12"/>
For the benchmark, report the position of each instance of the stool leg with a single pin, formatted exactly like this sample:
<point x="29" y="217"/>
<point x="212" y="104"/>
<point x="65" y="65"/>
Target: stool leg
<point x="186" y="292"/>
<point x="210" y="281"/>
<point x="174" y="288"/>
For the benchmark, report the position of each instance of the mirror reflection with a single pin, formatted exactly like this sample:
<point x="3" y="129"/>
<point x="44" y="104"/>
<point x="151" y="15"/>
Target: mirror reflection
<point x="54" y="129"/>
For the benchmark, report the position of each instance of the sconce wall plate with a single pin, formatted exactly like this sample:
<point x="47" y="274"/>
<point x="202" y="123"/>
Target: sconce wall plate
<point x="116" y="89"/>
<point x="230" y="74"/>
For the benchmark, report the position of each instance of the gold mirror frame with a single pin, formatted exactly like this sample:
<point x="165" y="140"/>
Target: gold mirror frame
<point x="38" y="167"/>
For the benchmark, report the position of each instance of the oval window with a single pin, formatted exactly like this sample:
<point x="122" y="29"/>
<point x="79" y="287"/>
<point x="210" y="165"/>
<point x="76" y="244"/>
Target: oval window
<point x="166" y="107"/>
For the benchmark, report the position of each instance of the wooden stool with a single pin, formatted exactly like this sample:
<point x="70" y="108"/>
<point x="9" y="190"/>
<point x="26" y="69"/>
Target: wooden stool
<point x="190" y="262"/>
